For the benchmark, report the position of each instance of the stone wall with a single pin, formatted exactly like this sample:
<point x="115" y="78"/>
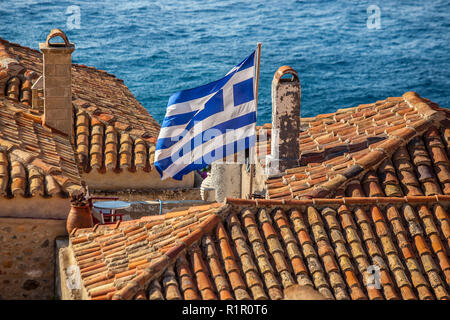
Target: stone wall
<point x="27" y="257"/>
<point x="149" y="194"/>
<point x="151" y="208"/>
<point x="68" y="278"/>
<point x="145" y="201"/>
<point x="259" y="179"/>
<point x="36" y="207"/>
<point x="112" y="181"/>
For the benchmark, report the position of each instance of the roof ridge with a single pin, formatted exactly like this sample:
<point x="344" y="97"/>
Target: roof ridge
<point x="367" y="162"/>
<point x="339" y="201"/>
<point x="412" y="98"/>
<point x="15" y="44"/>
<point x="263" y="221"/>
<point x="3" y="52"/>
<point x="141" y="272"/>
<point x="4" y="41"/>
<point x="83" y="66"/>
<point x="17" y="108"/>
<point x="423" y="107"/>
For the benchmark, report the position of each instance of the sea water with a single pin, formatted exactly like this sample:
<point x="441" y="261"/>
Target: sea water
<point x="345" y="52"/>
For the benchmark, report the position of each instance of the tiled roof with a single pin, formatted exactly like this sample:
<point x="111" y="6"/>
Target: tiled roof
<point x="113" y="131"/>
<point x="34" y="160"/>
<point x="402" y="141"/>
<point x="101" y="146"/>
<point x="113" y="256"/>
<point x="253" y="249"/>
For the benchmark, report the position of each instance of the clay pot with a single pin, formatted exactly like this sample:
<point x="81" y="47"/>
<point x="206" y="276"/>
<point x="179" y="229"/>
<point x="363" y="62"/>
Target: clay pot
<point x="79" y="217"/>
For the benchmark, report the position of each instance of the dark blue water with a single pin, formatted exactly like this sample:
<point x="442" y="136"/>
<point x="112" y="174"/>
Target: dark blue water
<point x="160" y="47"/>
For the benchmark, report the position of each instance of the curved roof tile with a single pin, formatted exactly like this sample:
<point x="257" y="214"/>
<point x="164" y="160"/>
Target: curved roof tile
<point x="103" y="107"/>
<point x="340" y="147"/>
<point x="254" y="249"/>
<point x="34" y="160"/>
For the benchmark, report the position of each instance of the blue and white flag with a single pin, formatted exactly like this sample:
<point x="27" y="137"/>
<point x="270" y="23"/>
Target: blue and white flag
<point x="208" y="123"/>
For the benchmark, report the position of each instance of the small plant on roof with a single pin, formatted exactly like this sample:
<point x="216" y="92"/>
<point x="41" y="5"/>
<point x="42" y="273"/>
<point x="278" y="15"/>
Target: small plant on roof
<point x="78" y="200"/>
<point x="204" y="172"/>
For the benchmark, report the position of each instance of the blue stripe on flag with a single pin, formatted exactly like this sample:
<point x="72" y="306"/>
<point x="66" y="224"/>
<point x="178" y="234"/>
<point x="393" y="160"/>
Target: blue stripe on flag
<point x="243" y="92"/>
<point x="190" y="145"/>
<point x="207" y="89"/>
<point x="247" y="62"/>
<point x="213" y="106"/>
<point x="178" y="119"/>
<point x="236" y="146"/>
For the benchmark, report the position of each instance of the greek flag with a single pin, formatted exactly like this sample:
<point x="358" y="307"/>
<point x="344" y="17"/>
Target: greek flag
<point x="208" y="123"/>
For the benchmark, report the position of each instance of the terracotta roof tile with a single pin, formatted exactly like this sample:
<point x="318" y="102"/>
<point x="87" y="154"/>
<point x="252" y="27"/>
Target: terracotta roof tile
<point x="34" y="160"/>
<point x="356" y="140"/>
<point x="255" y="249"/>
<point x="113" y="131"/>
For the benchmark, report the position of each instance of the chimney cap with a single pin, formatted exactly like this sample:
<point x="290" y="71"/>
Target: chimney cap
<point x="57" y="33"/>
<point x="283" y="71"/>
<point x="54" y="33"/>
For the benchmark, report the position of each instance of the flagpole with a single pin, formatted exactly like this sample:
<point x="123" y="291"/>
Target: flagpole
<point x="258" y="60"/>
<point x="252" y="165"/>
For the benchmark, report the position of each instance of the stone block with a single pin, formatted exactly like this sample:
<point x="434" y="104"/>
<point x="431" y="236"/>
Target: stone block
<point x="61" y="92"/>
<point x="63" y="70"/>
<point x="54" y="81"/>
<point x="56" y="102"/>
<point x="65" y="126"/>
<point x="49" y="69"/>
<point x="57" y="58"/>
<point x="26" y="265"/>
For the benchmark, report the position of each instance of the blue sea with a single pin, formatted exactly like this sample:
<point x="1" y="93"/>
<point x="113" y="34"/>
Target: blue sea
<point x="346" y="52"/>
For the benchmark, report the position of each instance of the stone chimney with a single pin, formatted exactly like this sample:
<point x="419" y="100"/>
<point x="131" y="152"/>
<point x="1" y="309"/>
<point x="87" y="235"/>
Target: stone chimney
<point x="57" y="83"/>
<point x="286" y="93"/>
